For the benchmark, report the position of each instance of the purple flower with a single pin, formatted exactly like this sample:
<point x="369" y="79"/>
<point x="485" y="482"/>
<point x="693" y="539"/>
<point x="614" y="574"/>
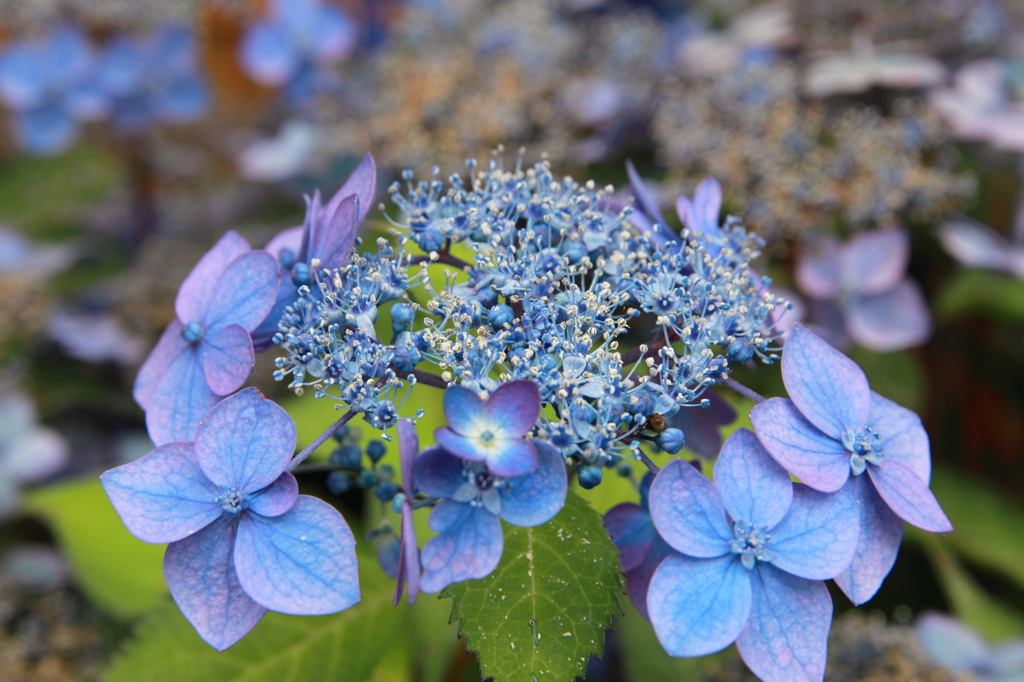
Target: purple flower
<point x="470" y="540"/>
<point x="206" y="353"/>
<point x="493" y="430"/>
<point x="327" y="235"/>
<point x="242" y="539"/>
<point x="409" y="553"/>
<point x="834" y="425"/>
<point x="864" y="284"/>
<point x="754" y="549"/>
<point x="642" y="549"/>
<point x="953" y="645"/>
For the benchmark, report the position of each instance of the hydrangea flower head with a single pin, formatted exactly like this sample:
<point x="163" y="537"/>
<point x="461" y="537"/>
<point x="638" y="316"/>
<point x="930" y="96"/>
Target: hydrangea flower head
<point x="242" y="539"/>
<point x="835" y="430"/>
<point x="492" y="431"/>
<point x="206" y="352"/>
<point x="50" y="84"/>
<point x="864" y="283"/>
<point x="474" y="499"/>
<point x="753" y="550"/>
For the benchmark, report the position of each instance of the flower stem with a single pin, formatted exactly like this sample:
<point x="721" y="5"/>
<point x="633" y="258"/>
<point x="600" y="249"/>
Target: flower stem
<point x="331" y="430"/>
<point x="648" y="463"/>
<point x="743" y="390"/>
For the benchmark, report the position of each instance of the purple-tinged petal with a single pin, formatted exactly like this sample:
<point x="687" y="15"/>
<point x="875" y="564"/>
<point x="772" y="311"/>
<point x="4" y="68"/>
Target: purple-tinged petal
<point x="227" y="357"/>
<point x="460" y="446"/>
<point x="514" y="408"/>
<point x="287" y="294"/>
<point x="363" y="183"/>
<point x="818" y="537"/>
<point x="245" y="292"/>
<point x="951" y="643"/>
<point x="267" y="55"/>
<point x="786" y="637"/>
<point x="22" y="78"/>
<point x="817" y="271"/>
<point x="163" y="496"/>
<point x="201" y="576"/>
<point x="754" y="488"/>
<point x="684" y="209"/>
<point x="707" y="204"/>
<point x="408" y="449"/>
<point x="179" y="400"/>
<point x="290" y="239"/>
<point x="535" y="498"/>
<point x="513" y="458"/>
<point x="463" y="409"/>
<point x="881" y="532"/>
<point x="278" y="498"/>
<point x="802" y="450"/>
<point x="639" y="580"/>
<point x="437" y="472"/>
<point x="408" y="558"/>
<point x="334" y="34"/>
<point x="698" y="606"/>
<point x="828" y="388"/>
<point x="632" y="531"/>
<point x="874" y="262"/>
<point x="334" y="233"/>
<point x="167" y="349"/>
<point x="908" y="496"/>
<point x="688" y="512"/>
<point x="902" y="435"/>
<point x="468" y="547"/>
<point x="195" y="292"/>
<point x="890" y="321"/>
<point x="245" y="442"/>
<point x="302" y="562"/>
<point x="974" y="245"/>
<point x="643" y="195"/>
<point x="45" y="131"/>
<point x="388" y="549"/>
<point x="701" y="425"/>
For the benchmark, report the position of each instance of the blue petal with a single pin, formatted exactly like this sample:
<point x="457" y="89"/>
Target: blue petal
<point x="701" y="425"/>
<point x="890" y="321"/>
<point x="437" y="472"/>
<point x="333" y="234"/>
<point x="698" y="606"/>
<point x="22" y="78"/>
<point x="363" y="183"/>
<point x="908" y="496"/>
<point x="816" y="459"/>
<point x="787" y="635"/>
<point x="818" y="537"/>
<point x="513" y="408"/>
<point x="875" y="262"/>
<point x="512" y="458"/>
<point x="195" y="292"/>
<point x="167" y="349"/>
<point x="408" y="449"/>
<point x="408" y="558"/>
<point x="688" y="512"/>
<point x="245" y="442"/>
<point x="463" y="409"/>
<point x="535" y="498"/>
<point x="902" y="435"/>
<point x="163" y="496"/>
<point x="632" y="531"/>
<point x="278" y="498"/>
<point x="334" y="35"/>
<point x="638" y="581"/>
<point x="46" y="131"/>
<point x="707" y="204"/>
<point x="122" y="68"/>
<point x="817" y="270"/>
<point x="753" y="486"/>
<point x="180" y="398"/>
<point x="245" y="292"/>
<point x="644" y="198"/>
<point x="227" y="357"/>
<point x="267" y="55"/>
<point x="287" y="294"/>
<point x="828" y="388"/>
<point x="182" y="99"/>
<point x="468" y="547"/>
<point x="201" y="576"/>
<point x="459" y="445"/>
<point x="302" y="562"/>
<point x="389" y="555"/>
<point x="951" y="643"/>
<point x="881" y="532"/>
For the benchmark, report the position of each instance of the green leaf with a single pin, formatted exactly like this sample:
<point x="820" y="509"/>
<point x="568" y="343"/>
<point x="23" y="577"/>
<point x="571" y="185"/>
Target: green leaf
<point x="543" y="612"/>
<point x="900" y="377"/>
<point x="344" y="646"/>
<point x="981" y="292"/>
<point x="643" y="659"/>
<point x="117" y="571"/>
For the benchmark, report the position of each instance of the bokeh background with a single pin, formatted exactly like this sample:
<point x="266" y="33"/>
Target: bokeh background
<point x="854" y="136"/>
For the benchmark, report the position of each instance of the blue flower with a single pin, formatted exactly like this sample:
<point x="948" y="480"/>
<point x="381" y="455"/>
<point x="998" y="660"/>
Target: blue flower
<point x="493" y="430"/>
<point x="50" y="84"/>
<point x="153" y="79"/>
<point x="954" y="645"/>
<point x="834" y="425"/>
<point x="409" y="554"/>
<point x="861" y="291"/>
<point x="754" y="549"/>
<point x="470" y="540"/>
<point x="242" y="539"/>
<point x="206" y="352"/>
<point x="327" y="236"/>
<point x="292" y="47"/>
<point x="642" y="549"/>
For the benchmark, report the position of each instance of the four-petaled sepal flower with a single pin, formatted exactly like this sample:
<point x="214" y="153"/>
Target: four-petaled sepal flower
<point x="242" y="539"/>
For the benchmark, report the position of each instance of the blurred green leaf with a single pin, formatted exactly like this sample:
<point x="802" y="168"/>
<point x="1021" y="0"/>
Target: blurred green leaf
<point x="345" y="646"/>
<point x="643" y="659"/>
<point x="900" y="377"/>
<point x="981" y="292"/>
<point x="543" y="611"/>
<point x="119" y="572"/>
